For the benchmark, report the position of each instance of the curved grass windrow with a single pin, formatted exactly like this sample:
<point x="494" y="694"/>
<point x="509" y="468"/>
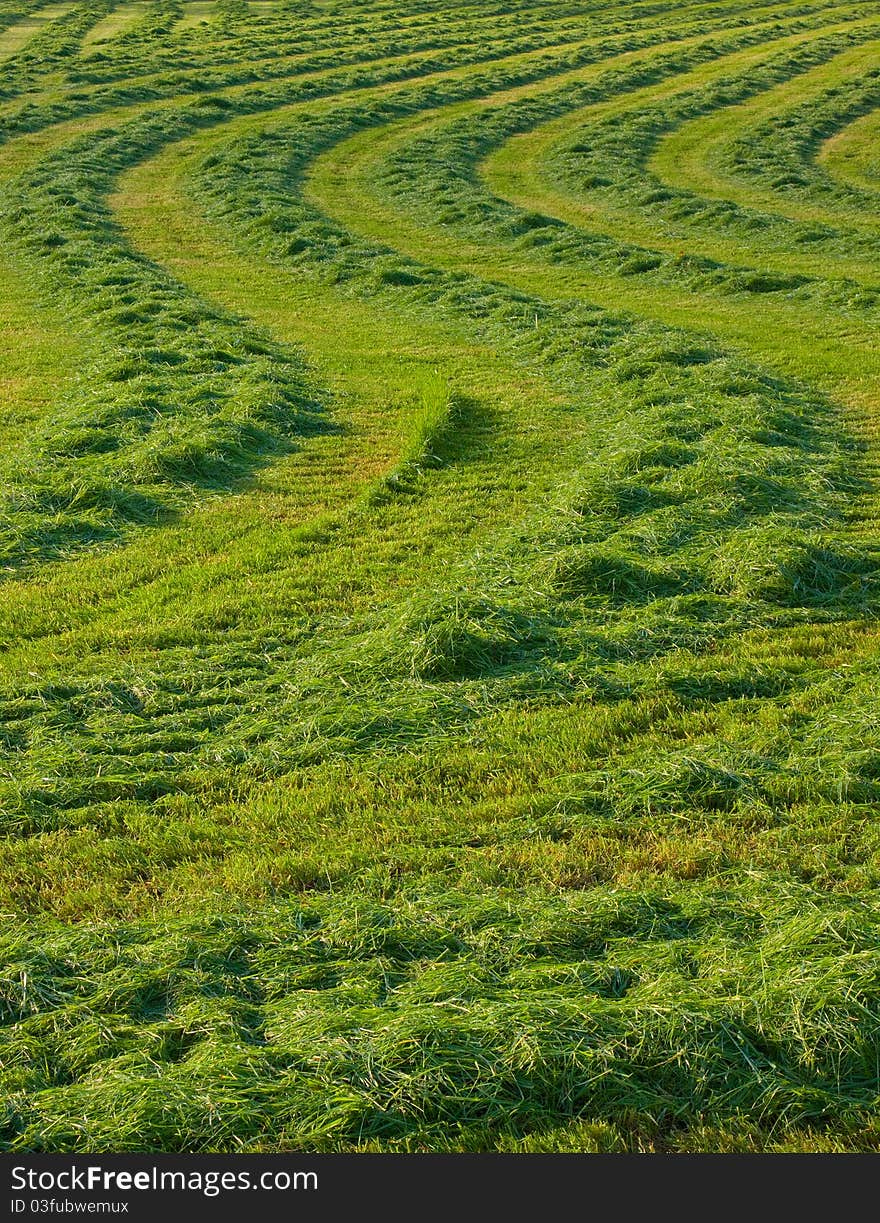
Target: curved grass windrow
<point x="439" y="576"/>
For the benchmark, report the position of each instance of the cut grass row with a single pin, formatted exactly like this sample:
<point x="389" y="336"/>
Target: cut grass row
<point x="498" y="773"/>
<point x="96" y="504"/>
<point x="771" y="141"/>
<point x="851" y="154"/>
<point x="353" y="167"/>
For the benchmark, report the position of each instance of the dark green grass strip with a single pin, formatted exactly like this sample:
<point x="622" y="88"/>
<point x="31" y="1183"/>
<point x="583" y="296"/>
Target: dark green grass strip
<point x="455" y="1023"/>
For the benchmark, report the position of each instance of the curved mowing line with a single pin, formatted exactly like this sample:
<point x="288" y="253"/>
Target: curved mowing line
<point x="852" y="155"/>
<point x="341" y="179"/>
<point x="32" y="148"/>
<point x="16" y="37"/>
<point x="689" y="157"/>
<point x="194" y="13"/>
<point x="115" y="105"/>
<point x="513" y="59"/>
<point x="835" y="354"/>
<point x="113" y="25"/>
<point x="517" y="170"/>
<point x="497" y="31"/>
<point x="356" y="180"/>
<point x="27" y="150"/>
<point x="459" y="359"/>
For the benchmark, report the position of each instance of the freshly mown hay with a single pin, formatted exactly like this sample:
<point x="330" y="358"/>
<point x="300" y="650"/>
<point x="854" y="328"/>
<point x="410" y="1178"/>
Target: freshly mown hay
<point x="438" y="532"/>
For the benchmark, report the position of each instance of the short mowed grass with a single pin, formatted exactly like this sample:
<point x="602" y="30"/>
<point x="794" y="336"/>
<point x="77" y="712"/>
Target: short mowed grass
<point x="439" y="608"/>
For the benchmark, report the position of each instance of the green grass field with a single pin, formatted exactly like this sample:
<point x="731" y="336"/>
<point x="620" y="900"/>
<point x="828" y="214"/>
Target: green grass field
<point x="439" y="494"/>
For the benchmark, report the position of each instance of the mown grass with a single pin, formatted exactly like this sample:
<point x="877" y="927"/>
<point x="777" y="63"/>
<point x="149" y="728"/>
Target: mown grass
<point x="437" y="702"/>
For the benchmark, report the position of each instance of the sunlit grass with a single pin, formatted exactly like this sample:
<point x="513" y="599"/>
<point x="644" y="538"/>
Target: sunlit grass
<point x="440" y="585"/>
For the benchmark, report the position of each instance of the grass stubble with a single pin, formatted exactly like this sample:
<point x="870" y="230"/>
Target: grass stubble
<point x="440" y="583"/>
